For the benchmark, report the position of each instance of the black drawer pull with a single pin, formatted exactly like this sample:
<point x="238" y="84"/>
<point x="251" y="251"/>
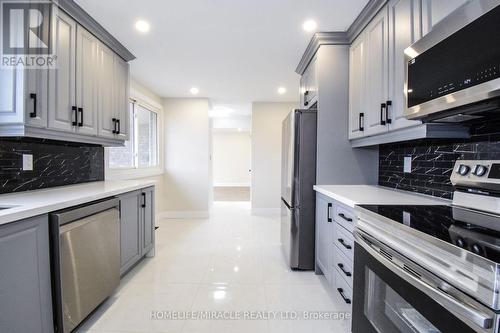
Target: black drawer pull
<point x="382" y="113"/>
<point x="361" y="122"/>
<point x="345" y="217"/>
<point x="347" y="246"/>
<point x="143" y="200"/>
<point x="75" y="114"/>
<point x="114" y="125"/>
<point x="119" y="126"/>
<point x="341" y="266"/>
<point x="329" y="219"/>
<point x="341" y="292"/>
<point x="387" y="119"/>
<point x="33" y="97"/>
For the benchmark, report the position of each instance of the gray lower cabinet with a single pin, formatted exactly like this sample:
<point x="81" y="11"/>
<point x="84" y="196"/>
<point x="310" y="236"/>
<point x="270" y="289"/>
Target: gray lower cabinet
<point x="335" y="245"/>
<point x="136" y="226"/>
<point x="324" y="233"/>
<point x="25" y="287"/>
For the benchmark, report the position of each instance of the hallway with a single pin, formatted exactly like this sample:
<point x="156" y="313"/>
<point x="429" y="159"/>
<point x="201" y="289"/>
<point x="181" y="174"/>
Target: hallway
<point x="231" y="262"/>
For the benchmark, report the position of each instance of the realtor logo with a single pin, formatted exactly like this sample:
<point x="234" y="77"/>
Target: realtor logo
<point x="25" y="34"/>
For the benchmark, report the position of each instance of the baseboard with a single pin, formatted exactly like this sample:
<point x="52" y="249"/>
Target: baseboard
<point x="231" y="185"/>
<point x="182" y="214"/>
<point x="266" y="211"/>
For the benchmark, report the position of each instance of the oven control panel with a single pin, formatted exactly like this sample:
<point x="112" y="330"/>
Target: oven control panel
<point x="477" y="173"/>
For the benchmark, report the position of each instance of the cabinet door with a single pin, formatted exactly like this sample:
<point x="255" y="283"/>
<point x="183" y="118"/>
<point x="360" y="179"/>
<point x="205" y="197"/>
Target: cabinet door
<point x="130" y="235"/>
<point x="404" y="30"/>
<point x="148" y="221"/>
<point x="25" y="283"/>
<point x="434" y="11"/>
<point x="377" y="73"/>
<point x="121" y="96"/>
<point x="106" y="105"/>
<point x="36" y="97"/>
<point x="310" y="84"/>
<point x="357" y="87"/>
<point x="324" y="235"/>
<point x="86" y="81"/>
<point x="302" y="91"/>
<point x="11" y="95"/>
<point x="62" y="101"/>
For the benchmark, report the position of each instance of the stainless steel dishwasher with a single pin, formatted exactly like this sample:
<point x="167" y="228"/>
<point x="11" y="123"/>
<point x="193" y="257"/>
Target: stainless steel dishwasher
<point x="85" y="245"/>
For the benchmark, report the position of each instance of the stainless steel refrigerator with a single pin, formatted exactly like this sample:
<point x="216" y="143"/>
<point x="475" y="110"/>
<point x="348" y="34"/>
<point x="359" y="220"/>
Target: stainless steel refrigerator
<point x="298" y="175"/>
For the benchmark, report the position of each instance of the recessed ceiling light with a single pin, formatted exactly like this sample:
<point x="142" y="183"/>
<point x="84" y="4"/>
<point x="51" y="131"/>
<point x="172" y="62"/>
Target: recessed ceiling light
<point x="281" y="90"/>
<point x="142" y="26"/>
<point x="194" y="91"/>
<point x="309" y="25"/>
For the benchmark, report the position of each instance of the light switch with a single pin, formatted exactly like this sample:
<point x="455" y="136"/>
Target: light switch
<point x="407" y="164"/>
<point x="27" y="162"/>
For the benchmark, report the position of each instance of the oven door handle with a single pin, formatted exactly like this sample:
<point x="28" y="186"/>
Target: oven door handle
<point x="449" y="302"/>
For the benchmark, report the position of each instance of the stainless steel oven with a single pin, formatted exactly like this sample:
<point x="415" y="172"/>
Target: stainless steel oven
<point x="453" y="73"/>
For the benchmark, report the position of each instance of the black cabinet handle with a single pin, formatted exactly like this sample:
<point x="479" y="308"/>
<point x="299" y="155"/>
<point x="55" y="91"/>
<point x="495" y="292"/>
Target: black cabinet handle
<point x="119" y="126"/>
<point x="341" y="292"/>
<point x="329" y="219"/>
<point x="75" y="114"/>
<point x="341" y="266"/>
<point x="388" y="120"/>
<point x="143" y="200"/>
<point x="114" y="125"/>
<point x="33" y="97"/>
<point x="382" y="113"/>
<point x="347" y="246"/>
<point x="345" y="217"/>
<point x="80" y="110"/>
<point x="362" y="121"/>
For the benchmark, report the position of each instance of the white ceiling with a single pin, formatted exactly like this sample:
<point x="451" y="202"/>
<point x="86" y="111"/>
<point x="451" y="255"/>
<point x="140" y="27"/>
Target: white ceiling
<point x="235" y="51"/>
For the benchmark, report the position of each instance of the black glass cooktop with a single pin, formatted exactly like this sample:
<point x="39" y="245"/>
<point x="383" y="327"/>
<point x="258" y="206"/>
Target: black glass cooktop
<point x="470" y="230"/>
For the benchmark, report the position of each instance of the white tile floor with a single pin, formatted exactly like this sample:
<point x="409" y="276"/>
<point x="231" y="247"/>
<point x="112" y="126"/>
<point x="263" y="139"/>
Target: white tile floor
<point x="231" y="262"/>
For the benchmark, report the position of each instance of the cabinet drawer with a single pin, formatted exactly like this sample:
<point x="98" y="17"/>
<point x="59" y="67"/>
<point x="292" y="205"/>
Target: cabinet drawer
<point x="345" y="217"/>
<point x="344" y="241"/>
<point x="342" y="288"/>
<point x="343" y="265"/>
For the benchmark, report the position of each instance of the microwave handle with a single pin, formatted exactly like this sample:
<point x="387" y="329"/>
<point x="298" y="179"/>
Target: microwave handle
<point x="454" y="305"/>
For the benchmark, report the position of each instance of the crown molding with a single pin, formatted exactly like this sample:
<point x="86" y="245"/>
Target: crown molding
<point x="318" y="39"/>
<point x="369" y="11"/>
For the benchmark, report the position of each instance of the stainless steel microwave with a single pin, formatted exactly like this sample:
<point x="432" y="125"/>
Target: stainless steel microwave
<point x="453" y="72"/>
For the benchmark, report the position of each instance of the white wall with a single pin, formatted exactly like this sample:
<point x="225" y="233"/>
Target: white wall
<point x="231" y="157"/>
<point x="187" y="165"/>
<point x="266" y="155"/>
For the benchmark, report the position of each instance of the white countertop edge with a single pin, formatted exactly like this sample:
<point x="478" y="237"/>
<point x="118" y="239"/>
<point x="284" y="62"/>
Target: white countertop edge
<point x="35" y="207"/>
<point x="346" y="200"/>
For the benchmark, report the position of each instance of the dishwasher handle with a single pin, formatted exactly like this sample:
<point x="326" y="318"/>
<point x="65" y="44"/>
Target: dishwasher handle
<point x="79" y="212"/>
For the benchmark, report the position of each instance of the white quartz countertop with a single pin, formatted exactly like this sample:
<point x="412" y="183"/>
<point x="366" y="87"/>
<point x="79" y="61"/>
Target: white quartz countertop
<point x="352" y="195"/>
<point x="32" y="203"/>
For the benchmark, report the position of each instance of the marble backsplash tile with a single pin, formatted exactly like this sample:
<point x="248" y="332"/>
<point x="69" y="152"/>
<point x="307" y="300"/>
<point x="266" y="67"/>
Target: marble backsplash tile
<point x="433" y="160"/>
<point x="55" y="163"/>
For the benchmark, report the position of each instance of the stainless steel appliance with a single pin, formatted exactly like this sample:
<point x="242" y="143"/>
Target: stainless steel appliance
<point x="85" y="242"/>
<point x="453" y="72"/>
<point x="298" y="176"/>
<point x="432" y="268"/>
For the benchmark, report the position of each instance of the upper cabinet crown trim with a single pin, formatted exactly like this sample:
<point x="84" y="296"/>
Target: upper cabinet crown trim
<point x="340" y="37"/>
<point x="85" y="20"/>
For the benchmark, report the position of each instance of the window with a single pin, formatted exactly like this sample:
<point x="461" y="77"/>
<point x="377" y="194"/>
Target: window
<point x="141" y="151"/>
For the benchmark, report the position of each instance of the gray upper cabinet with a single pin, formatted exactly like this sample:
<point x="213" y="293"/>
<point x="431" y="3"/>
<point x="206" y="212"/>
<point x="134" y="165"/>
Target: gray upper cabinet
<point x="83" y="99"/>
<point x="404" y="30"/>
<point x="62" y="90"/>
<point x="357" y="87"/>
<point x="86" y="82"/>
<point x="377" y="73"/>
<point x="434" y="11"/>
<point x="25" y="287"/>
<point x="309" y="86"/>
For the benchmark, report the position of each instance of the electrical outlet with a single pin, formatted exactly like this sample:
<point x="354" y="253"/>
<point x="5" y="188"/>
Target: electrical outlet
<point x="27" y="162"/>
<point x="407" y="164"/>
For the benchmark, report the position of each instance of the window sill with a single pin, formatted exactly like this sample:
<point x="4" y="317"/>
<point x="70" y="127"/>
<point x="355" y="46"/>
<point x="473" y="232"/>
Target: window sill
<point x="124" y="174"/>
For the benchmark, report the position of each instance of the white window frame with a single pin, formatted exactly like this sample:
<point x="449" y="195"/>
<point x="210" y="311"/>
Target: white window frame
<point x="136" y="171"/>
